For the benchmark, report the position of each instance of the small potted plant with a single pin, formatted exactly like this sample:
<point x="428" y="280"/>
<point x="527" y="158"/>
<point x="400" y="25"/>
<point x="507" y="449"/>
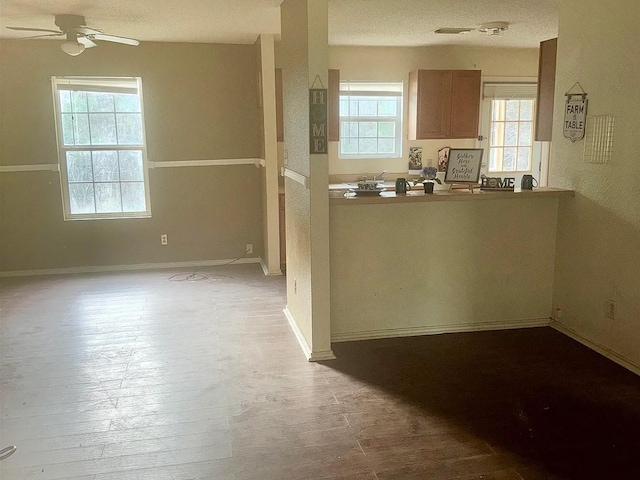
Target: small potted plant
<point x="428" y="178"/>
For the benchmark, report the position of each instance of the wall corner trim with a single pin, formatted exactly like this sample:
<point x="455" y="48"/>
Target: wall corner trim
<point x="439" y="329"/>
<point x="41" y="167"/>
<point x="205" y="163"/>
<point x="311" y="356"/>
<point x="126" y="268"/>
<point x="296" y="177"/>
<point x="601" y="349"/>
<point x="277" y="272"/>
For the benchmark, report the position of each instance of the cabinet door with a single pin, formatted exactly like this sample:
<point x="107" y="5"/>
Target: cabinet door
<point x="546" y="87"/>
<point x="465" y="103"/>
<point x="434" y="101"/>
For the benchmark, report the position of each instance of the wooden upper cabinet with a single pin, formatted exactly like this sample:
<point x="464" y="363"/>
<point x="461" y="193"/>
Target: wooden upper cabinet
<point x="444" y="104"/>
<point x="546" y="89"/>
<point x="333" y="111"/>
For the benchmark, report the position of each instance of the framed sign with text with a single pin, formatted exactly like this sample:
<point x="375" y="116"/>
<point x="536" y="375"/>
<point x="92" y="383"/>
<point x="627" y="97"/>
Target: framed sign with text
<point x="317" y="121"/>
<point x="464" y="165"/>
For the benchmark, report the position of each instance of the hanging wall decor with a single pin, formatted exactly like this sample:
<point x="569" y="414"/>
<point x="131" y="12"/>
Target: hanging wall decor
<point x="317" y="118"/>
<point x="575" y="113"/>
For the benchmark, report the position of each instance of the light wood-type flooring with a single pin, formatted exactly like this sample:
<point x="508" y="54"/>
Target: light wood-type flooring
<point x="129" y="376"/>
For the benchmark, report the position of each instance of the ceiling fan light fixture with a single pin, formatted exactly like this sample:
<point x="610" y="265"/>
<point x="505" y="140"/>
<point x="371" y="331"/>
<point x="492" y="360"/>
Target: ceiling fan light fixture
<point x="72" y="47"/>
<point x="493" y="28"/>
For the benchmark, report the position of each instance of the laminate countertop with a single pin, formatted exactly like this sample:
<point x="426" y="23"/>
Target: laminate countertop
<point x="339" y="195"/>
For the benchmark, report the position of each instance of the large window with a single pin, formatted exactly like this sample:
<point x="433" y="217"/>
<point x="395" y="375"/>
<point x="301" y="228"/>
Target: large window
<point x="511" y="137"/>
<point x="370" y="120"/>
<point x="101" y="147"/>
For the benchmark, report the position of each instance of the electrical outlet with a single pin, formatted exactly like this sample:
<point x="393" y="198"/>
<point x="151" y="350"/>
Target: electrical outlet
<point x="249" y="248"/>
<point x="164" y="239"/>
<point x="557" y="313"/>
<point x="610" y="309"/>
<point x="295" y="286"/>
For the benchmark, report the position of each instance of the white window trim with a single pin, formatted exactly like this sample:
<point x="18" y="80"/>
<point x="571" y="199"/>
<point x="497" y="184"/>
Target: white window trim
<point x="62" y="157"/>
<point x="398" y="119"/>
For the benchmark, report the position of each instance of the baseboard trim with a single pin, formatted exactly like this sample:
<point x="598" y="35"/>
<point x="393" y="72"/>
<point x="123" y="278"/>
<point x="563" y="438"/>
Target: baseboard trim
<point x="125" y="268"/>
<point x="302" y="341"/>
<point x="266" y="271"/>
<point x="438" y="329"/>
<point x="596" y="347"/>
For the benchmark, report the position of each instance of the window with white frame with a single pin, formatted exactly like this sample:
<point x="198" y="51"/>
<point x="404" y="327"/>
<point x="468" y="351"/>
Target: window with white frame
<point x="370" y="120"/>
<point x="101" y="147"/>
<point x="511" y="127"/>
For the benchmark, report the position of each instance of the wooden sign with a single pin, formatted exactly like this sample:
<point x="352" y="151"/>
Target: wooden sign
<point x="497" y="183"/>
<point x="575" y="117"/>
<point x="463" y="165"/>
<point x="317" y="121"/>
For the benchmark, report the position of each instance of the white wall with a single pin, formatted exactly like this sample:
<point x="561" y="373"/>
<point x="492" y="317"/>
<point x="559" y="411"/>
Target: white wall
<point x="598" y="251"/>
<point x="393" y="64"/>
<point x="418" y="268"/>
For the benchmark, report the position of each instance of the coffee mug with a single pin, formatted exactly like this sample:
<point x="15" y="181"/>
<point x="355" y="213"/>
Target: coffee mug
<point x="528" y="182"/>
<point x="402" y="186"/>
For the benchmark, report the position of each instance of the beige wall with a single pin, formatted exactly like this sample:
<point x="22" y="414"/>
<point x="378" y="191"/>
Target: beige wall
<point x="393" y="64"/>
<point x="598" y="251"/>
<point x="417" y="268"/>
<point x="200" y="103"/>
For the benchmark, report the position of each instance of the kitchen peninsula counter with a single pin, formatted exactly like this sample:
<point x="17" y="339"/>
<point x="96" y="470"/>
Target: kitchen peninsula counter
<point x="337" y="195"/>
<point x="441" y="262"/>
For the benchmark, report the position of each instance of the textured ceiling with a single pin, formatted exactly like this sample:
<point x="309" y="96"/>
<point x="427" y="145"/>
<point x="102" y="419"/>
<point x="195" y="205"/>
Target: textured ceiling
<point x="351" y="22"/>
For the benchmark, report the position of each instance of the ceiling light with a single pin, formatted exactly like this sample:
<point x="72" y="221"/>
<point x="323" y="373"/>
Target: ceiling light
<point x="493" y="28"/>
<point x="73" y="48"/>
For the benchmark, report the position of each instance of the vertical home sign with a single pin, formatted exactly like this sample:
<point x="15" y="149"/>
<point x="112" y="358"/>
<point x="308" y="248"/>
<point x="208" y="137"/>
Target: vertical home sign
<point x="317" y="121"/>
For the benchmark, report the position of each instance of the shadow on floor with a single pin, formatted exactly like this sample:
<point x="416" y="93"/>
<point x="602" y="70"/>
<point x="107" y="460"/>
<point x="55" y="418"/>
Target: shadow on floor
<point x="562" y="410"/>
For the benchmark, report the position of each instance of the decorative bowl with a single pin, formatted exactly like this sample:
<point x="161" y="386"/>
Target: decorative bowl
<point x="371" y="185"/>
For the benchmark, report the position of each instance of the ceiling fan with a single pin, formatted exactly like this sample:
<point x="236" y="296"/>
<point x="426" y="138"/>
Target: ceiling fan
<point x="78" y="35"/>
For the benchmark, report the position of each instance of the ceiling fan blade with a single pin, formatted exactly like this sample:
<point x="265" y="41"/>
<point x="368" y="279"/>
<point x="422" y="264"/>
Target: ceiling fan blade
<point x="113" y="38"/>
<point x="42" y="36"/>
<point x="25" y="29"/>
<point x="86" y="42"/>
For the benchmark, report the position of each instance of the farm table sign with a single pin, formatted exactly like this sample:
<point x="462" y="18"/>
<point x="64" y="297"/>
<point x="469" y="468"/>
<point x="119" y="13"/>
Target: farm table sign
<point x="575" y="114"/>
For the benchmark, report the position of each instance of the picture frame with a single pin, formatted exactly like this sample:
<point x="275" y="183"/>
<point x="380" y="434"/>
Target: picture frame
<point x="463" y="165"/>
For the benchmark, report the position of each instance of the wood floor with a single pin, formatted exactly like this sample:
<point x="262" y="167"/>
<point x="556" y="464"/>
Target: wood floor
<point x="130" y="376"/>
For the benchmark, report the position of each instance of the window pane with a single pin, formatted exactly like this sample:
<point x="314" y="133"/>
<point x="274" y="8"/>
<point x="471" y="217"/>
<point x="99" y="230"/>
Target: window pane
<point x="512" y="109"/>
<point x="511" y="133"/>
<point x="349" y="146"/>
<point x="353" y="129"/>
<point x="108" y="197"/>
<point x="493" y="159"/>
<point x="133" y="199"/>
<point x="387" y="108"/>
<point x="65" y="101"/>
<point x="100" y="102"/>
<point x="81" y="198"/>
<point x="509" y="160"/>
<point x="344" y="107"/>
<point x="368" y="145"/>
<point x="497" y="134"/>
<point x="79" y="167"/>
<point x="386" y="145"/>
<point x="524" y="158"/>
<point x="129" y="128"/>
<point x="526" y="110"/>
<point x="127" y="102"/>
<point x="525" y="133"/>
<point x="368" y="108"/>
<point x="497" y="110"/>
<point x="79" y="101"/>
<point x="105" y="166"/>
<point x="103" y="129"/>
<point x="386" y="129"/>
<point x="131" y="168"/>
<point x="353" y="108"/>
<point x="75" y="129"/>
<point x="368" y="129"/>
